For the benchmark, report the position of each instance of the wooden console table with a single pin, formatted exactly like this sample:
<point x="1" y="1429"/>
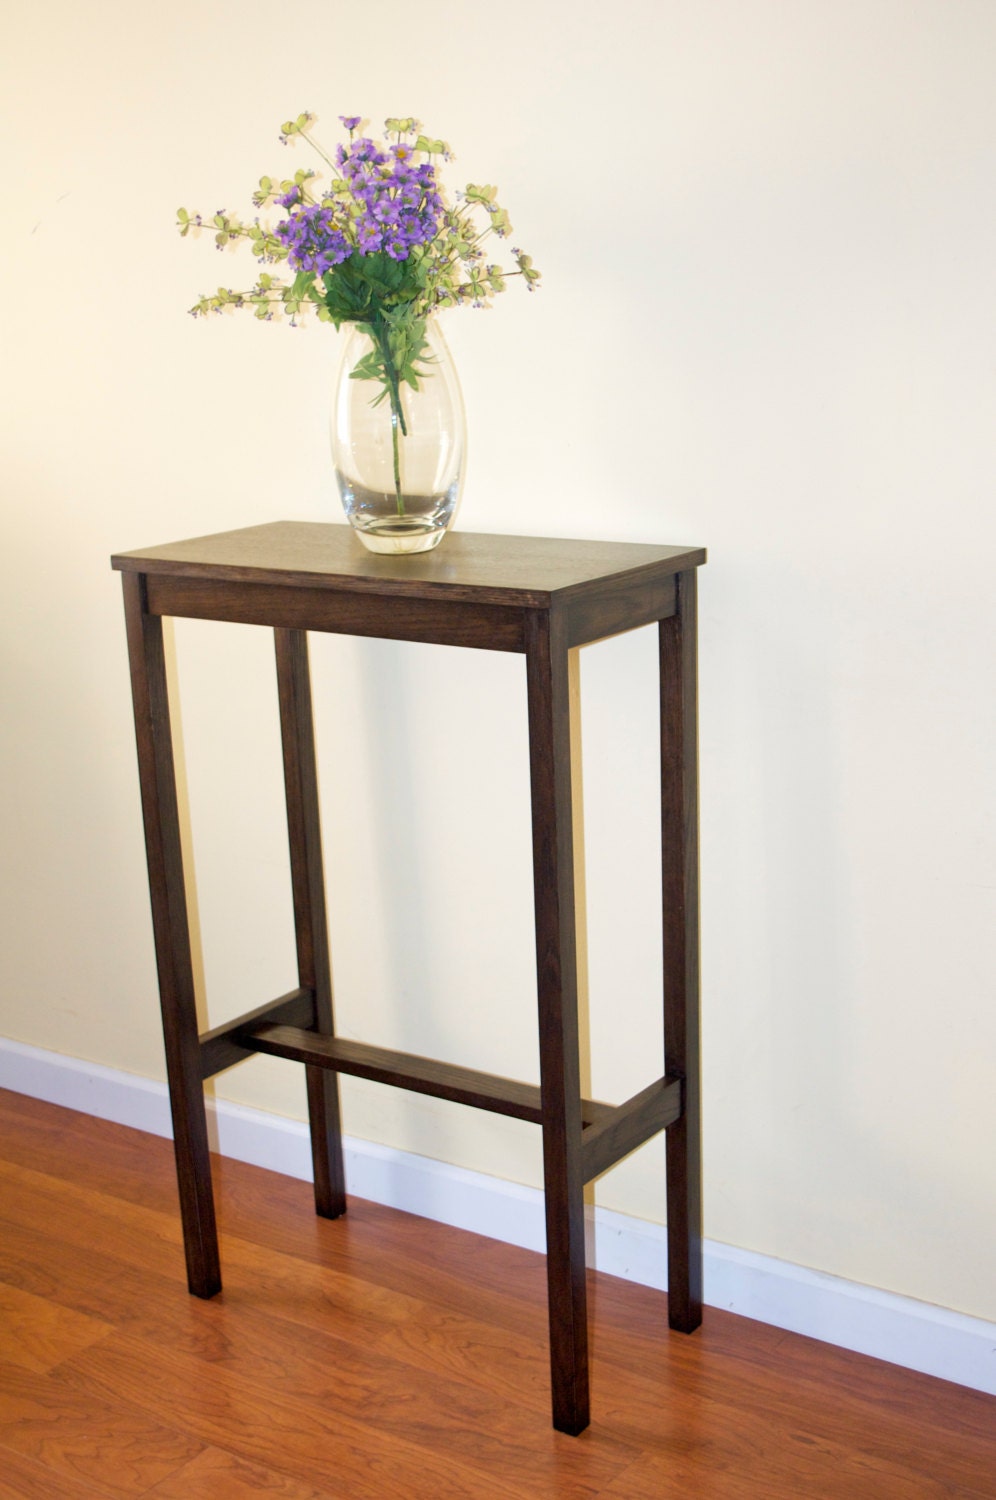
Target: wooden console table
<point x="540" y="598"/>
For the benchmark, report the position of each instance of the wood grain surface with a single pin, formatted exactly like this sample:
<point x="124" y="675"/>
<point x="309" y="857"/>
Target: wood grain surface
<point x="509" y="570"/>
<point x="382" y="1355"/>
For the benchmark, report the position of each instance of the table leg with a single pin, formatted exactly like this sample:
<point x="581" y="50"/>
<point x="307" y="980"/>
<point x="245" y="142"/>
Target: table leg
<point x="310" y="922"/>
<point x="679" y="830"/>
<point x="172" y="938"/>
<point x="556" y="969"/>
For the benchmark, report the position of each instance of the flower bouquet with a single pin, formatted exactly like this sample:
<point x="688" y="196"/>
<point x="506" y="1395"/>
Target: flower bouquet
<point x="378" y="247"/>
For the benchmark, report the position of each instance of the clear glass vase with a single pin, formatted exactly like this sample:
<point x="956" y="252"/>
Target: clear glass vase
<point x="399" y="457"/>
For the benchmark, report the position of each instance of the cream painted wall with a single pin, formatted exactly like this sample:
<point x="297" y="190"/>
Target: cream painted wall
<point x="768" y="236"/>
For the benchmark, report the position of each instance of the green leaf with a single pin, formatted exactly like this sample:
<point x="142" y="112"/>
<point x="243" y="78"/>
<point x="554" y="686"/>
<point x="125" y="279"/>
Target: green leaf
<point x="370" y="367"/>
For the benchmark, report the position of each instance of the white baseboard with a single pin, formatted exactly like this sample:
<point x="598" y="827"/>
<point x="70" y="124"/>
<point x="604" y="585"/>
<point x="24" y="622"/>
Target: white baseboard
<point x="903" y="1331"/>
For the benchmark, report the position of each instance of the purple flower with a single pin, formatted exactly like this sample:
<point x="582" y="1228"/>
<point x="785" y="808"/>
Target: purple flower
<point x="388" y="189"/>
<point x="365" y="150"/>
<point x="395" y="207"/>
<point x="313" y="239"/>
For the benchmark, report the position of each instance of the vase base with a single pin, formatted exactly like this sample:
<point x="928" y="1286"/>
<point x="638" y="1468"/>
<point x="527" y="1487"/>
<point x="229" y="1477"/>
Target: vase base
<point x="400" y="535"/>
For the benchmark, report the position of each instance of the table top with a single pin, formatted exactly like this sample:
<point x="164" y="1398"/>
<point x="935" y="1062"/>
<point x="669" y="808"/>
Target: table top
<point x="511" y="570"/>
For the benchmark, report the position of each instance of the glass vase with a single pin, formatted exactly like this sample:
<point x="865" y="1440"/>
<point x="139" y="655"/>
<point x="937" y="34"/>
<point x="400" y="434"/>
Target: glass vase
<point x="398" y="452"/>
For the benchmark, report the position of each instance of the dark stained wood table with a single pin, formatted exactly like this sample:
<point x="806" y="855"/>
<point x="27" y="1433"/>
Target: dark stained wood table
<point x="536" y="596"/>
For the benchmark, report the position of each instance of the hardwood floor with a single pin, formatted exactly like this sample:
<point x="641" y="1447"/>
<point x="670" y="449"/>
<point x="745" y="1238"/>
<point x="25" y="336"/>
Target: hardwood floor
<point x="386" y="1356"/>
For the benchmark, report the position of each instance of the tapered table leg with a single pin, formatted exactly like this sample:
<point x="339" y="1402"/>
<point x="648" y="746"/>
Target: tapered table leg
<point x="679" y="828"/>
<point x="172" y="938"/>
<point x="556" y="967"/>
<point x="310" y="922"/>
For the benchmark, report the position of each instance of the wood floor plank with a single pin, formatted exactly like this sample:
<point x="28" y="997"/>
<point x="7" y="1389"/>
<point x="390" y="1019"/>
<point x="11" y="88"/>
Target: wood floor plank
<point x="778" y="1471"/>
<point x="374" y="1439"/>
<point x="59" y="1141"/>
<point x="242" y="1323"/>
<point x="131" y="1233"/>
<point x="366" y="1388"/>
<point x="144" y="1301"/>
<point x="217" y="1475"/>
<point x="26" y="1478"/>
<point x="37" y="1334"/>
<point x="729" y="1446"/>
<point x="77" y="1434"/>
<point x="834" y="1416"/>
<point x="96" y="1285"/>
<point x="454" y="1346"/>
<point x="117" y="1286"/>
<point x="138" y="1236"/>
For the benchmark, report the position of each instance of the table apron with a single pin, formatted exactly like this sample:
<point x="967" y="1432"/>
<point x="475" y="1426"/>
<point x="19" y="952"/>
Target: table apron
<point x="488" y="627"/>
<point x="626" y="605"/>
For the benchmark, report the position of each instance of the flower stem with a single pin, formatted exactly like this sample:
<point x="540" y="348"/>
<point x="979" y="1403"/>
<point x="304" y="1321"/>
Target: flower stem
<point x="321" y="151"/>
<point x="398" y="427"/>
<point x="400" y="499"/>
